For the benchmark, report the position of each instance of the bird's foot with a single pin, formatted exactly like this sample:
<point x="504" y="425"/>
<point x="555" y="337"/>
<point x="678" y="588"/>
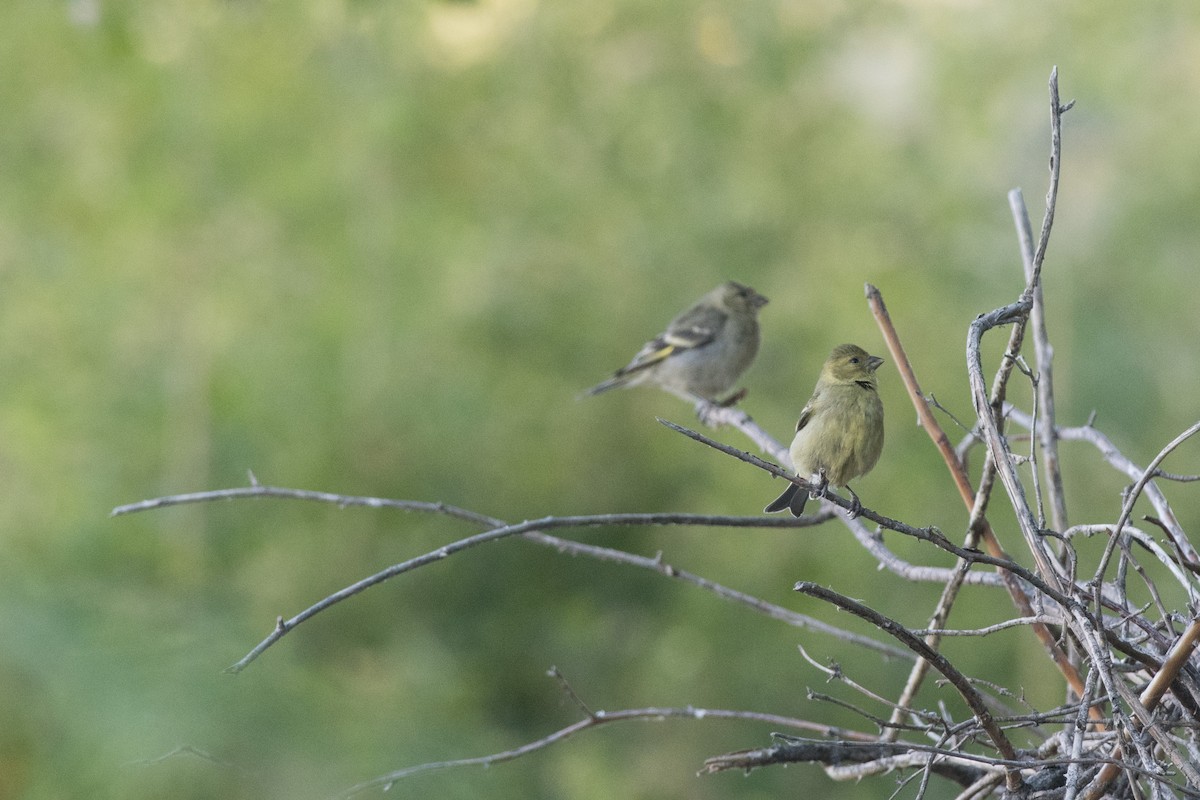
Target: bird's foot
<point x="820" y="489"/>
<point x="855" y="505"/>
<point x="708" y="413"/>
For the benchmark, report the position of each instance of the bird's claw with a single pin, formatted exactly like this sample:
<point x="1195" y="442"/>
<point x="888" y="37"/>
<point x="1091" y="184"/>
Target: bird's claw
<point x="709" y="413"/>
<point x="855" y="505"/>
<point x="821" y="489"/>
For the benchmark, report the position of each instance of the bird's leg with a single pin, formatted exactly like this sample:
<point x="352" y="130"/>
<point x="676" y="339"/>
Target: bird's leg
<point x="733" y="399"/>
<point x="855" y="504"/>
<point x="707" y="411"/>
<point x="821" y="488"/>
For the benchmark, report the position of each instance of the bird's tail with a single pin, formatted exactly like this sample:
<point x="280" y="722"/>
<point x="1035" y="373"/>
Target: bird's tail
<point x="793" y="499"/>
<point x="612" y="383"/>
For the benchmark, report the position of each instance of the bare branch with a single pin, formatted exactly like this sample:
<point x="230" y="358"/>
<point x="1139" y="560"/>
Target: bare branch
<point x="734" y="417"/>
<point x="595" y="720"/>
<point x="532" y="532"/>
<point x="503" y="531"/>
<point x="1057" y="109"/>
<point x="1142" y="538"/>
<point x="771" y="610"/>
<point x="1148" y="473"/>
<point x="1153" y="493"/>
<point x="1044" y="353"/>
<point x="836" y="673"/>
<point x="1018" y="313"/>
<point x="341" y="500"/>
<point x="961" y="767"/>
<point x="1040" y="619"/>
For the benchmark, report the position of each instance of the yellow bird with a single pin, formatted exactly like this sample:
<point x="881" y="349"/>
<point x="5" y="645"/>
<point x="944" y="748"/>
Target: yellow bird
<point x="840" y="433"/>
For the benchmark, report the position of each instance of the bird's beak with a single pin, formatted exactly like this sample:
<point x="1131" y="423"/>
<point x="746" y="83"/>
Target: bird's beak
<point x="874" y="363"/>
<point x="759" y="301"/>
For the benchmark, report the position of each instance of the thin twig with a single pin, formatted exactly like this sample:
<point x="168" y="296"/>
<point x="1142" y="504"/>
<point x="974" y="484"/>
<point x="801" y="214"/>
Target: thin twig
<point x="836" y="673"/>
<point x="1142" y="538"/>
<point x="956" y="765"/>
<point x="283" y="627"/>
<point x="569" y="691"/>
<point x="657" y="565"/>
<point x="1044" y="353"/>
<point x="1145" y="478"/>
<point x="595" y="720"/>
<point x="739" y="419"/>
<point x="1018" y="312"/>
<point x="257" y="491"/>
<point x="1040" y="619"/>
<point x="503" y="531"/>
<point x="1057" y="109"/>
<point x="1110" y="452"/>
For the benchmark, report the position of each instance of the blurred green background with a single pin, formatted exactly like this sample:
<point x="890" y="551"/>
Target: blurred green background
<point x="379" y="248"/>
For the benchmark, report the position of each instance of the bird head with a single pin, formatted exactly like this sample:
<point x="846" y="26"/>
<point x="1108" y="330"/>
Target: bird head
<point x="740" y="297"/>
<point x="849" y="363"/>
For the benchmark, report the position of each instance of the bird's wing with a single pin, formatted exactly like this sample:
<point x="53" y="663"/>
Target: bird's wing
<point x="693" y="328"/>
<point x="807" y="413"/>
<point x="651" y="353"/>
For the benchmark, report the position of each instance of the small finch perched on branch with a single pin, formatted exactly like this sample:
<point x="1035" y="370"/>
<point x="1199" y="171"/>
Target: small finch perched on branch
<point x="840" y="433"/>
<point x="703" y="351"/>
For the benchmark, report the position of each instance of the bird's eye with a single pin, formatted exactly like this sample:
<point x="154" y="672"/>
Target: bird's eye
<point x="854" y="360"/>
